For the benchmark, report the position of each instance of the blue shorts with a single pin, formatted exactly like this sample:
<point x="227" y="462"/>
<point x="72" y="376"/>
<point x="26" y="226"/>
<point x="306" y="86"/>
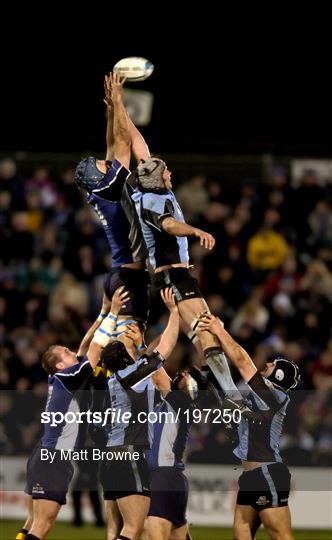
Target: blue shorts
<point x="136" y="283"/>
<point x="47" y="480"/>
<point x="169" y="495"/>
<point x="265" y="487"/>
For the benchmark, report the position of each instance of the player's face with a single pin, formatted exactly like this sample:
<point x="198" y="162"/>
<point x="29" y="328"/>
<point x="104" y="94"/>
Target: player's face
<point x="167" y="178"/>
<point x="66" y="357"/>
<point x="268" y="369"/>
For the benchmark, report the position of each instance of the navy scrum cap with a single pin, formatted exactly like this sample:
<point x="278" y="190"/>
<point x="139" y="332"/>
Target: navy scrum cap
<point x="87" y="174"/>
<point x="149" y="174"/>
<point x="286" y="374"/>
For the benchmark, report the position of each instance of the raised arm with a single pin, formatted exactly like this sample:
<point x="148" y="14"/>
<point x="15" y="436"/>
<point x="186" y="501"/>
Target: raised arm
<point x="122" y="139"/>
<point x="104" y="332"/>
<point x="85" y="343"/>
<point x="170" y="335"/>
<point x="110" y="118"/>
<point x="236" y="354"/>
<point x="176" y="228"/>
<point x="138" y="145"/>
<point x="241" y="359"/>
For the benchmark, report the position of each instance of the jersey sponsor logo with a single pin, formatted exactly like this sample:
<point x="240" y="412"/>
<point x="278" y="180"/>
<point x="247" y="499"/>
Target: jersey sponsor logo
<point x="189" y="293"/>
<point x="284" y="500"/>
<point x="262" y="500"/>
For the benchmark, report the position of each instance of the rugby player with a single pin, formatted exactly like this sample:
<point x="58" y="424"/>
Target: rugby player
<point x="108" y="193"/>
<point x="48" y="479"/>
<point x="165" y="233"/>
<point x="131" y="390"/>
<point x="265" y="483"/>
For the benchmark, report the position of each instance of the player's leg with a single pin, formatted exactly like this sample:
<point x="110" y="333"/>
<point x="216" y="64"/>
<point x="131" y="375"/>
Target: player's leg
<point x="27" y="525"/>
<point x="191" y="305"/>
<point x="157" y="528"/>
<point x="114" y="520"/>
<point x="44" y="516"/>
<point x="133" y="509"/>
<point x="246" y="522"/>
<point x="214" y="357"/>
<point x="180" y="533"/>
<point x="277" y="522"/>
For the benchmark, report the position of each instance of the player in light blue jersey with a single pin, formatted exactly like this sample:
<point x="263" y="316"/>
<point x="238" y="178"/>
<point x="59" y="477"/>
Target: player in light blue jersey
<point x="165" y="233"/>
<point x="265" y="483"/>
<point x="131" y="389"/>
<point x="169" y="485"/>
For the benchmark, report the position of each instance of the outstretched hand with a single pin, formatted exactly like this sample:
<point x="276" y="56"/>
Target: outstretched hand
<point x="117" y="81"/>
<point x="169" y="299"/>
<point x="133" y="332"/>
<point x="205" y="239"/>
<point x="119" y="298"/>
<point x="108" y="91"/>
<point x="210" y="323"/>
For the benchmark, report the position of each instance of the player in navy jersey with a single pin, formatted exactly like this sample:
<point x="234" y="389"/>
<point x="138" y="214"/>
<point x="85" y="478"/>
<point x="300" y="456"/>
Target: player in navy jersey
<point x="108" y="193"/>
<point x="165" y="233"/>
<point x="48" y="475"/>
<point x="169" y="485"/>
<point x="131" y="389"/>
<point x="265" y="483"/>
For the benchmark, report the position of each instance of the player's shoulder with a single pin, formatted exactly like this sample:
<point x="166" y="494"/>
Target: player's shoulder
<point x="76" y="368"/>
<point x="278" y="393"/>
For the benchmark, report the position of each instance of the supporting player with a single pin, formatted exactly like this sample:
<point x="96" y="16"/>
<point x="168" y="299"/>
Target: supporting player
<point x="265" y="483"/>
<point x="169" y="485"/>
<point x="48" y="474"/>
<point x="131" y="391"/>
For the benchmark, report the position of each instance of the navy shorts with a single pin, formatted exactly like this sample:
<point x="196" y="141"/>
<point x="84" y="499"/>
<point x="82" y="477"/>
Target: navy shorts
<point x="169" y="495"/>
<point x="120" y="478"/>
<point x="46" y="480"/>
<point x="183" y="284"/>
<point x="265" y="487"/>
<point x="137" y="283"/>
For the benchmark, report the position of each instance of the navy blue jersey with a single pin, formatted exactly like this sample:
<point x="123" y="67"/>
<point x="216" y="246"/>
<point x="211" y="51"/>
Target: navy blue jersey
<point x="112" y="203"/>
<point x="152" y="209"/>
<point x="259" y="441"/>
<point x="62" y="388"/>
<point x="131" y="391"/>
<point x="170" y="433"/>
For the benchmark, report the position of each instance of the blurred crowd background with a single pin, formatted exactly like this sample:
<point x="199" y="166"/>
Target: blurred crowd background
<point x="269" y="279"/>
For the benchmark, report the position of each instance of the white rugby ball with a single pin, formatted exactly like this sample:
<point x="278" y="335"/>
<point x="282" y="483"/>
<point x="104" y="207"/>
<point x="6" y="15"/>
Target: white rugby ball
<point x="135" y="68"/>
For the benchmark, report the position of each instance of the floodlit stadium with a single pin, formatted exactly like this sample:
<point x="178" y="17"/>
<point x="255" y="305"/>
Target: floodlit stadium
<point x="166" y="346"/>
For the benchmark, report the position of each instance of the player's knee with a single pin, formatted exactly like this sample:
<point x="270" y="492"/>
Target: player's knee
<point x="242" y="533"/>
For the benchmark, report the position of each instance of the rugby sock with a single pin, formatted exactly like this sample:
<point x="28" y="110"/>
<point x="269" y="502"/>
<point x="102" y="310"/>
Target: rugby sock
<point x="30" y="536"/>
<point x="217" y="362"/>
<point x="22" y="534"/>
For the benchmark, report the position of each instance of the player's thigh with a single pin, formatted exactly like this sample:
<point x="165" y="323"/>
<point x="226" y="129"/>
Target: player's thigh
<point x="134" y="509"/>
<point x="45" y="511"/>
<point x="246" y="522"/>
<point x="191" y="309"/>
<point x="157" y="528"/>
<point x="277" y="522"/>
<point x="180" y="533"/>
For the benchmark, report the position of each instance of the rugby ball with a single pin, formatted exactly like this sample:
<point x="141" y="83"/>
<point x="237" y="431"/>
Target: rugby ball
<point x="134" y="68"/>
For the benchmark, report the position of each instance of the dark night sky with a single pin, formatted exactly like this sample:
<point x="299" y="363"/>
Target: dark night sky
<point x="210" y="96"/>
